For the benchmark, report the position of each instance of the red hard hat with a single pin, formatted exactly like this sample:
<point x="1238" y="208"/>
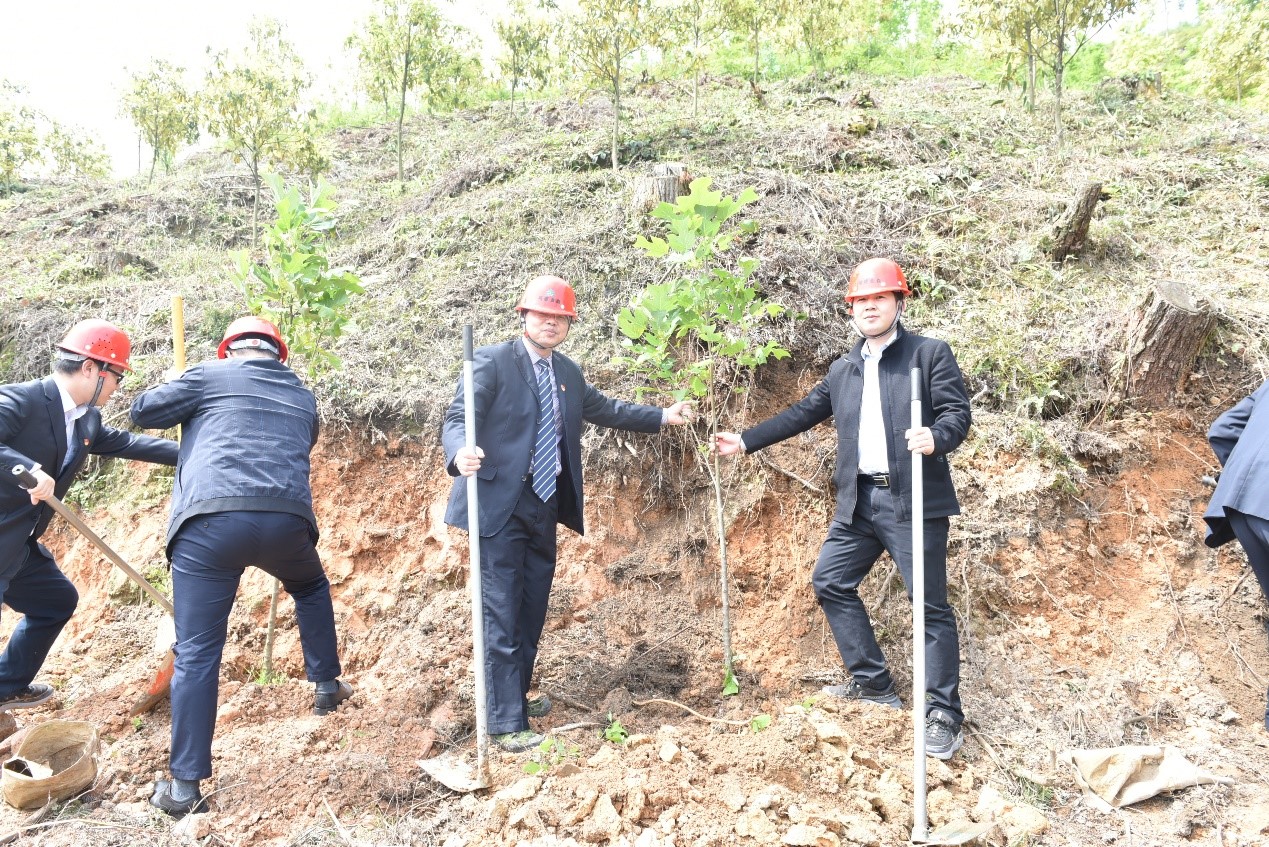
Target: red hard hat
<point x="252" y="325"/>
<point x="100" y="341"/>
<point x="549" y="294"/>
<point x="874" y="276"/>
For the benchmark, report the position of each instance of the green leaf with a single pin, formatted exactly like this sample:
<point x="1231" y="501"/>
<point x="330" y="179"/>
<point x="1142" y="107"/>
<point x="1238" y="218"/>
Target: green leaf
<point x="759" y="722"/>
<point x="730" y="686"/>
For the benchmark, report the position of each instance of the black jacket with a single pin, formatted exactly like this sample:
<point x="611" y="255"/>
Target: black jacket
<point x="248" y="428"/>
<point x="1240" y="439"/>
<point x="506" y="412"/>
<point x="33" y="431"/>
<point x="944" y="409"/>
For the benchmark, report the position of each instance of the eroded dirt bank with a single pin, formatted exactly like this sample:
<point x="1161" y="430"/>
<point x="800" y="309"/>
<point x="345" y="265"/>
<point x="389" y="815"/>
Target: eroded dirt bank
<point x="1090" y="618"/>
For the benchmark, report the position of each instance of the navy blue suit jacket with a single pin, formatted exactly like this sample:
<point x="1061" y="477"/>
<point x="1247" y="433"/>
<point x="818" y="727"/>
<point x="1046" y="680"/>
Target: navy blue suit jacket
<point x="506" y="412"/>
<point x="33" y="431"/>
<point x="944" y="409"/>
<point x="1240" y="439"/>
<point x="248" y="426"/>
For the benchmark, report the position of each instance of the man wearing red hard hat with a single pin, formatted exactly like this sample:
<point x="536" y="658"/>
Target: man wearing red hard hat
<point x="868" y="393"/>
<point x="241" y="498"/>
<point x="50" y="426"/>
<point x="531" y="402"/>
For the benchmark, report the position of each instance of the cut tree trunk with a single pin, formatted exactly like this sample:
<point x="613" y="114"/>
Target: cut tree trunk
<point x="1164" y="340"/>
<point x="1072" y="228"/>
<point x="668" y="182"/>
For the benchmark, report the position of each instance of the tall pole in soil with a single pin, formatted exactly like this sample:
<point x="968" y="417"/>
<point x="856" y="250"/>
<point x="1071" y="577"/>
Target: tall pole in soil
<point x="722" y="569"/>
<point x="920" y="828"/>
<point x="474" y="580"/>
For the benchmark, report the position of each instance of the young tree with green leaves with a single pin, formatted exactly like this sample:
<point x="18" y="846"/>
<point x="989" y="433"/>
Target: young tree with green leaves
<point x="693" y="26"/>
<point x="163" y="109"/>
<point x="756" y="18"/>
<point x="695" y="337"/>
<point x="1051" y="31"/>
<point x="407" y="45"/>
<point x="252" y="102"/>
<point x="294" y="284"/>
<point x="603" y="35"/>
<point x="75" y="154"/>
<point x="1235" y="48"/>
<point x="822" y="27"/>
<point x="19" y="137"/>
<point x="526" y="54"/>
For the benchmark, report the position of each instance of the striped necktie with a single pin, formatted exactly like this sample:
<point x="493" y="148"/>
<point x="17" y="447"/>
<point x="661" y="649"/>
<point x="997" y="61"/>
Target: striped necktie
<point x="546" y="448"/>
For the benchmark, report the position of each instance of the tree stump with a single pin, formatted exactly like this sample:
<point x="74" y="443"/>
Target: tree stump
<point x="668" y="182"/>
<point x="1164" y="340"/>
<point x="1072" y="228"/>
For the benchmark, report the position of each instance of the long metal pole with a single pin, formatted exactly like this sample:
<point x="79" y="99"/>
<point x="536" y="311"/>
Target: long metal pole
<point x="473" y="536"/>
<point x="920" y="827"/>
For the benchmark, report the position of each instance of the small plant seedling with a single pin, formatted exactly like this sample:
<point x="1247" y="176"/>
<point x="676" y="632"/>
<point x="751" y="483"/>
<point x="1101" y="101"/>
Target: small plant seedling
<point x="138" y="723"/>
<point x="615" y="732"/>
<point x="759" y="722"/>
<point x="809" y="703"/>
<point x="260" y="676"/>
<point x="730" y="686"/>
<point x="551" y="752"/>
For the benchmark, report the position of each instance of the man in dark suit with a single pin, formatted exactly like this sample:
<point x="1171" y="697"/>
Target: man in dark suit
<point x="51" y="426"/>
<point x="868" y="394"/>
<point x="1239" y="507"/>
<point x="530" y="404"/>
<point x="241" y="498"/>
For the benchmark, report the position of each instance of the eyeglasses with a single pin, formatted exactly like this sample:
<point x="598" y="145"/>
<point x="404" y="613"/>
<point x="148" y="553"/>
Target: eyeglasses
<point x="118" y="375"/>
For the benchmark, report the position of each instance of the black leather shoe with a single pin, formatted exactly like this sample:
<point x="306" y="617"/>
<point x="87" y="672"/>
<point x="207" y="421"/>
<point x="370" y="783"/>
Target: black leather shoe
<point x="329" y="695"/>
<point x="162" y="799"/>
<point x="538" y="707"/>
<point x="32" y="695"/>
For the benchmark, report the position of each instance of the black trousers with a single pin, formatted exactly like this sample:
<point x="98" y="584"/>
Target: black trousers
<point x="848" y="555"/>
<point x="209" y="555"/>
<point x="35" y="587"/>
<point x="517" y="567"/>
<point x="1253" y="533"/>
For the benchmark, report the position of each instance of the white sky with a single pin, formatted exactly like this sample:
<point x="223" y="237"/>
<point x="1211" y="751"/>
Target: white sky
<point x="73" y="57"/>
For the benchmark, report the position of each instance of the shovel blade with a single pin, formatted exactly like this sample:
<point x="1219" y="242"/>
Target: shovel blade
<point x="456" y="775"/>
<point x="159" y="687"/>
<point x="956" y="832"/>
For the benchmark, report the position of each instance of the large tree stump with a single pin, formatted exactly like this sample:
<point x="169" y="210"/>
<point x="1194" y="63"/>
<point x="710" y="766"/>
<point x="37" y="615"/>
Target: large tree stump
<point x="1072" y="228"/>
<point x="668" y="182"/>
<point x="1164" y="339"/>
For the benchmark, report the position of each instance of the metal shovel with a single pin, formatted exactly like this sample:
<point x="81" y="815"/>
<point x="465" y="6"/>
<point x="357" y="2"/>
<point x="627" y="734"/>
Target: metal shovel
<point x="956" y="832"/>
<point x="457" y="775"/>
<point x="162" y="682"/>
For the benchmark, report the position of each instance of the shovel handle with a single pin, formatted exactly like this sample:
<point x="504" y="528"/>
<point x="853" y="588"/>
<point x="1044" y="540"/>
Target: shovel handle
<point x="27" y="480"/>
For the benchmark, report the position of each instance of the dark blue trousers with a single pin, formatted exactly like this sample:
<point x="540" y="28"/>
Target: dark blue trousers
<point x="33" y="586"/>
<point x="848" y="555"/>
<point x="517" y="567"/>
<point x="209" y="555"/>
<point x="1253" y="533"/>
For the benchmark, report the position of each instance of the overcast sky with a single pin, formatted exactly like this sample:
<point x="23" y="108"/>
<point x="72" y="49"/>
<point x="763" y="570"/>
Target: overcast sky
<point x="74" y="56"/>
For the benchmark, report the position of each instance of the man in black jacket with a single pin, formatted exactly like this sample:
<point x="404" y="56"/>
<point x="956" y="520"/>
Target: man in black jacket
<point x="241" y="498"/>
<point x="1239" y="507"/>
<point x="50" y="426"/>
<point x="530" y="403"/>
<point x="868" y="394"/>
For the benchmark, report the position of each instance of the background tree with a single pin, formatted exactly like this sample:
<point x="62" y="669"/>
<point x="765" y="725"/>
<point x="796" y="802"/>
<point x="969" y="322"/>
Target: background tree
<point x="252" y="102"/>
<point x="693" y="26"/>
<point x="19" y="137"/>
<point x="526" y="55"/>
<point x="822" y="27"/>
<point x="755" y="18"/>
<point x="602" y="36"/>
<point x="163" y="109"/>
<point x="1049" y="31"/>
<point x="1235" y="48"/>
<point x="405" y="46"/>
<point x="75" y="154"/>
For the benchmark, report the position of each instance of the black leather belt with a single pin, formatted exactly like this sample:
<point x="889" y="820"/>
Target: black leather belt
<point x="881" y="480"/>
